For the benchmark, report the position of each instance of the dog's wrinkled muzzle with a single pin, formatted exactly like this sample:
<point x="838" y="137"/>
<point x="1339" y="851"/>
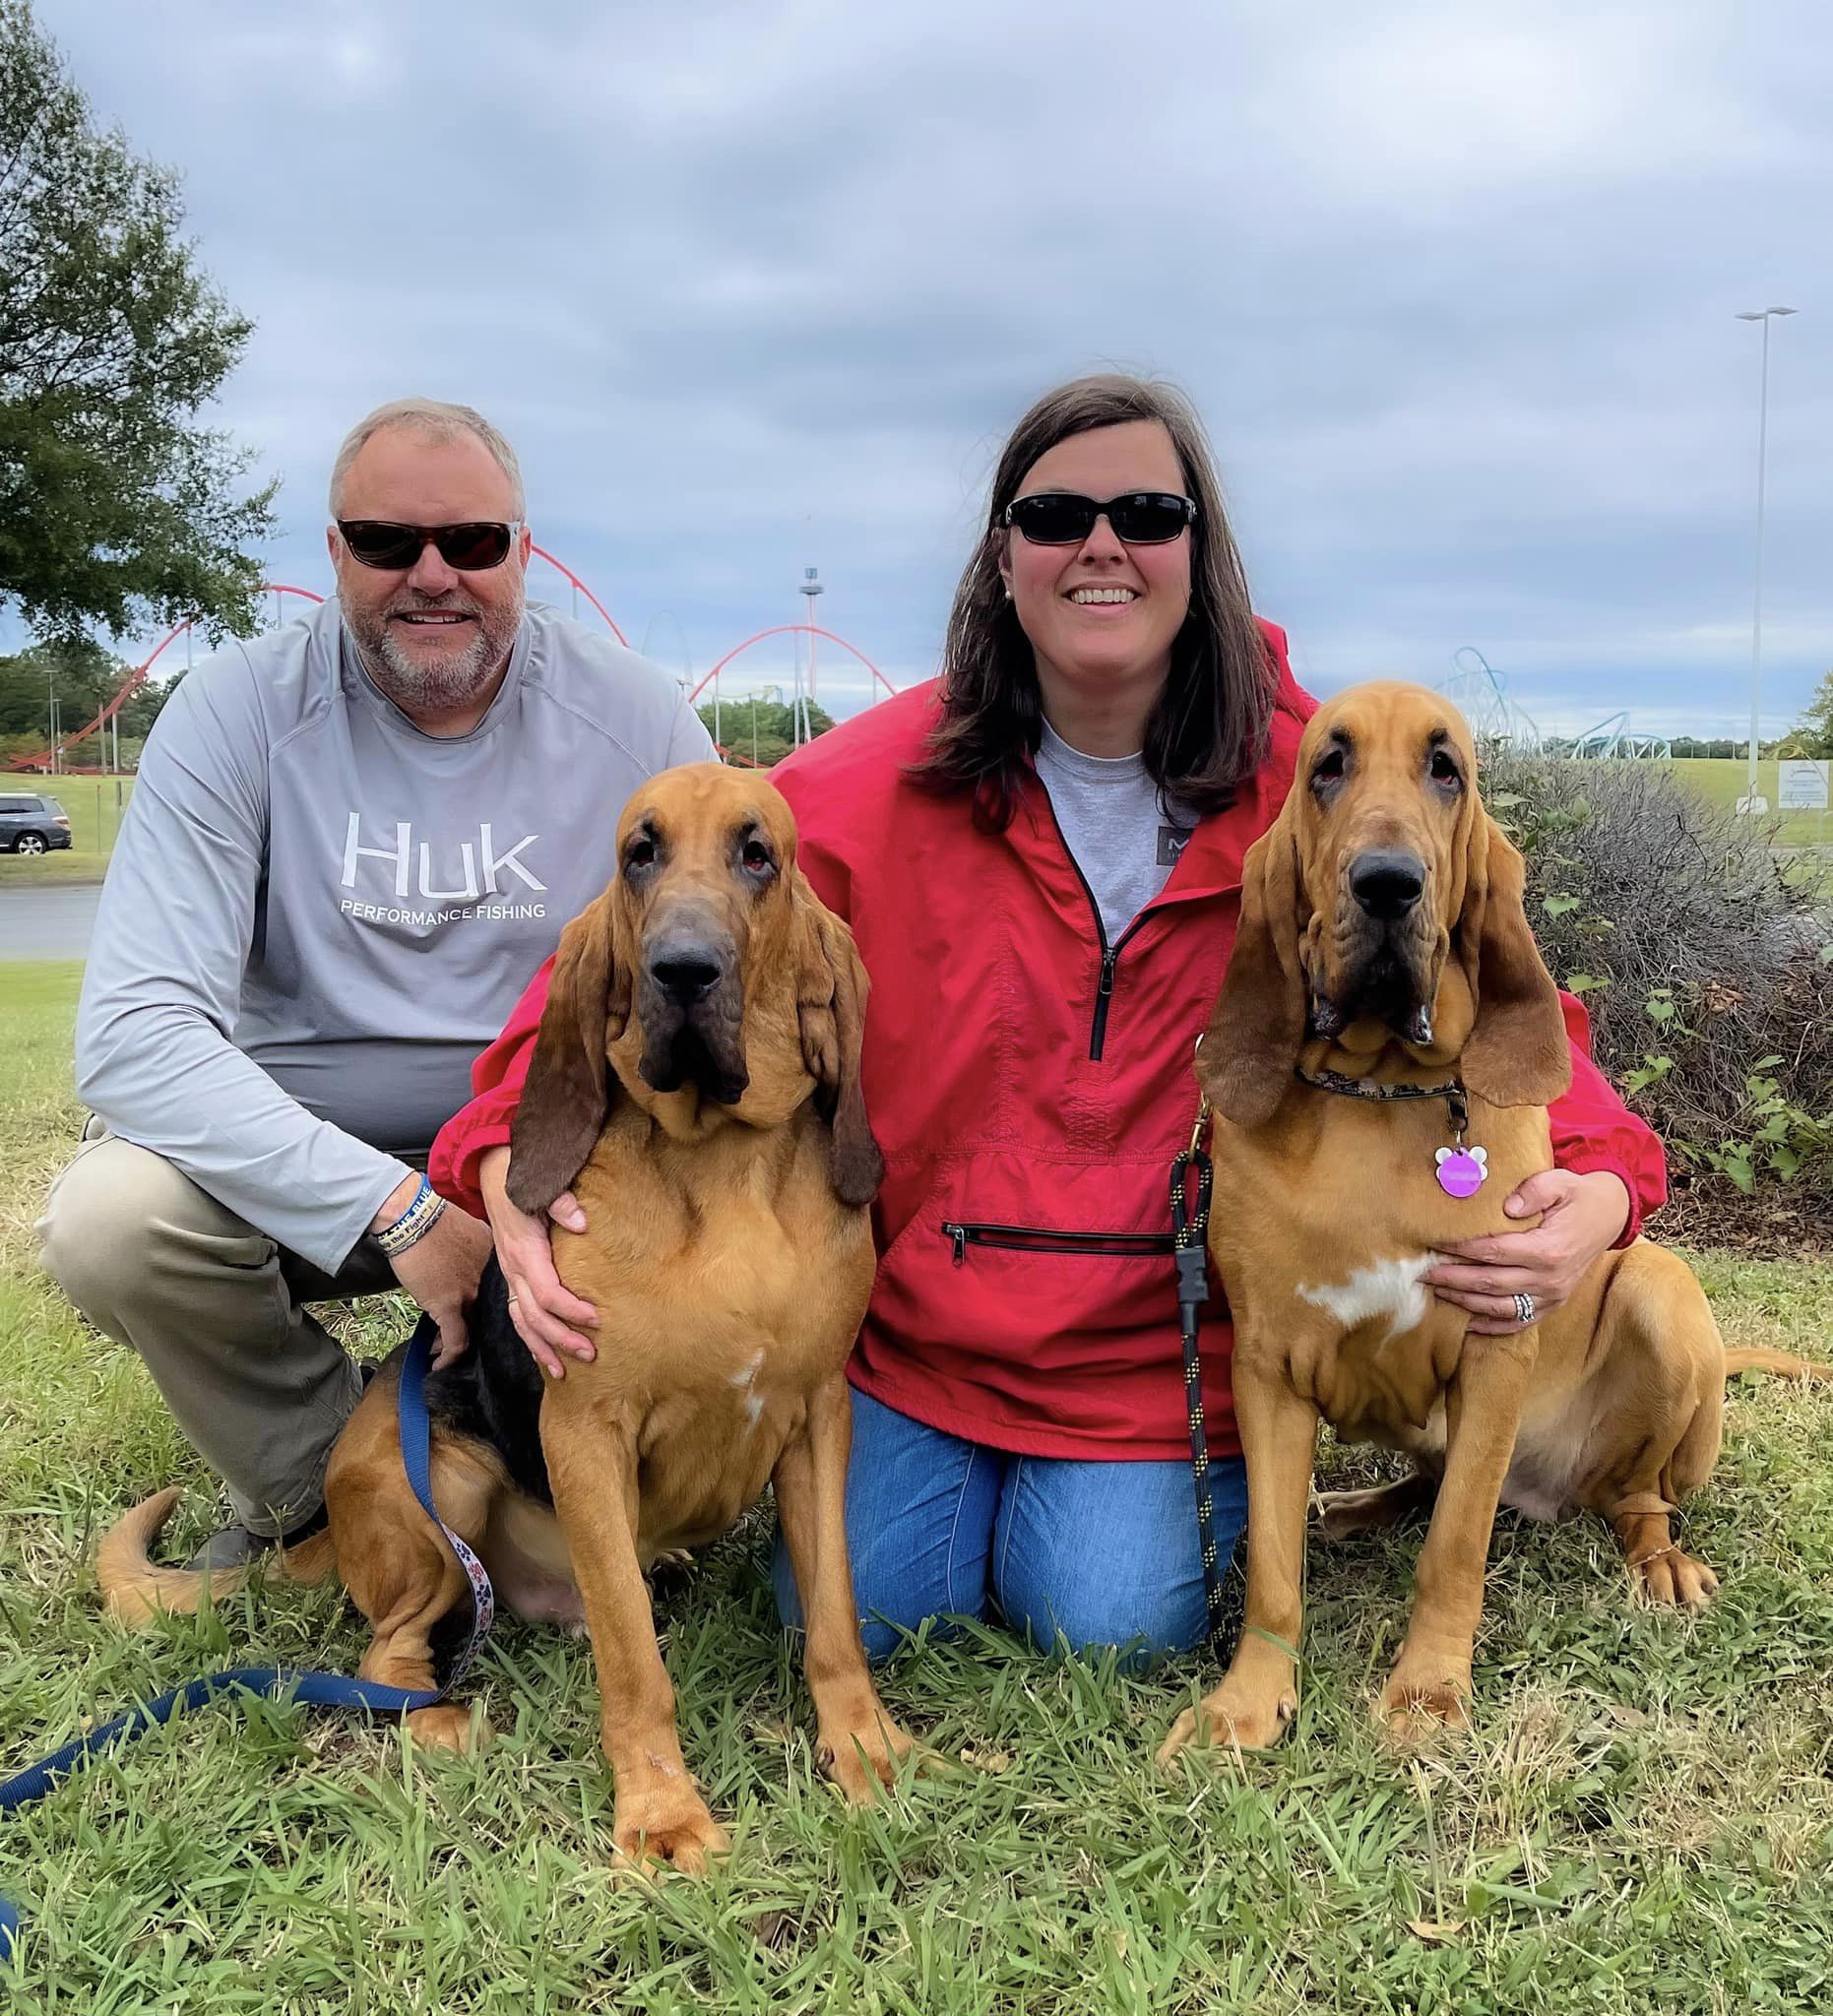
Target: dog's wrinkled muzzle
<point x="691" y="1006"/>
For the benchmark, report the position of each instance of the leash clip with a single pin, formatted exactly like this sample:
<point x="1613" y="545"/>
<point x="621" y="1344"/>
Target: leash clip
<point x="1205" y="1112"/>
<point x="1204" y="1115"/>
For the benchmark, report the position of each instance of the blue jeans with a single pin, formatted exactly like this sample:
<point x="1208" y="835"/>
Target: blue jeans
<point x="1105" y="1553"/>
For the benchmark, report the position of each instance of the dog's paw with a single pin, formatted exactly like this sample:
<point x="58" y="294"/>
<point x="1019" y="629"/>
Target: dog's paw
<point x="1672" y="1579"/>
<point x="1420" y="1699"/>
<point x="1232" y="1718"/>
<point x="664" y="1824"/>
<point x="1341" y="1515"/>
<point x="448" y="1727"/>
<point x="863" y="1756"/>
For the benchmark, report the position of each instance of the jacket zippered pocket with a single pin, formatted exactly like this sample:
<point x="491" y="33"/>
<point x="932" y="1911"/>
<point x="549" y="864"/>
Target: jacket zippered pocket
<point x="1031" y="1238"/>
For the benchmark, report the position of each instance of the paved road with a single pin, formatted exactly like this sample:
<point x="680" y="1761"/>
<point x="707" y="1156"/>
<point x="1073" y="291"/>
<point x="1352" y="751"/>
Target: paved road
<point x="47" y="923"/>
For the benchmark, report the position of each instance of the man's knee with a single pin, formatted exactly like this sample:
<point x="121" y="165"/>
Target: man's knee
<point x="110" y="1216"/>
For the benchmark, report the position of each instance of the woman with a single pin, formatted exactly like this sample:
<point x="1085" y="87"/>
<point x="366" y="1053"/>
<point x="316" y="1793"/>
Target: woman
<point x="1040" y="854"/>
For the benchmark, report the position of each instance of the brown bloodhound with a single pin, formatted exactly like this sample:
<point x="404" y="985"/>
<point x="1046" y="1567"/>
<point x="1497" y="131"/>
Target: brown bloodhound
<point x="696" y="1083"/>
<point x="1383" y="939"/>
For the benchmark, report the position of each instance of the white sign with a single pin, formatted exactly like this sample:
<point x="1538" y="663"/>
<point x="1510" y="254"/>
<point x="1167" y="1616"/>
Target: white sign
<point x="1801" y="786"/>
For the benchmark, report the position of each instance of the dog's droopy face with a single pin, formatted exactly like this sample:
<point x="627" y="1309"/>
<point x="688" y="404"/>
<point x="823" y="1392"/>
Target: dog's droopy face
<point x="1386" y="795"/>
<point x="704" y="857"/>
<point x="1383" y="901"/>
<point x="708" y="965"/>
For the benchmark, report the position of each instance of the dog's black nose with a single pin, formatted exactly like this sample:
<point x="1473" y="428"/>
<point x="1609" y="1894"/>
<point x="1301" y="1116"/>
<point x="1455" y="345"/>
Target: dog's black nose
<point x="1387" y="885"/>
<point x="686" y="973"/>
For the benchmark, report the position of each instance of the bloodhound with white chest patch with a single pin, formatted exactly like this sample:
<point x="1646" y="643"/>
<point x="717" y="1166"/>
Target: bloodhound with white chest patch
<point x="1381" y="1057"/>
<point x="696" y="1084"/>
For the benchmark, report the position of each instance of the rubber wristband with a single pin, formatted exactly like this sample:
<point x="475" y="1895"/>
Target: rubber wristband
<point x="414" y="1223"/>
<point x="412" y="1204"/>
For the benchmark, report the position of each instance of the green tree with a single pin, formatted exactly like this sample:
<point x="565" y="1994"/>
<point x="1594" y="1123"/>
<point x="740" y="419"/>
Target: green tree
<point x="83" y="675"/>
<point x="764" y="726"/>
<point x="115" y="506"/>
<point x="1813" y="732"/>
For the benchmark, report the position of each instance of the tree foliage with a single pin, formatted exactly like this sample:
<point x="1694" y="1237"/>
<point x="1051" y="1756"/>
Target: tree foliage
<point x="115" y="506"/>
<point x="1812" y="734"/>
<point x="85" y="677"/>
<point x="762" y="728"/>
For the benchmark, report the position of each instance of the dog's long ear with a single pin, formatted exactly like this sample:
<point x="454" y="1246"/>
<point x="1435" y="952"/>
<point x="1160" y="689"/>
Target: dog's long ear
<point x="1254" y="1037"/>
<point x="1517" y="1054"/>
<point x="568" y="1091"/>
<point x="830" y="1008"/>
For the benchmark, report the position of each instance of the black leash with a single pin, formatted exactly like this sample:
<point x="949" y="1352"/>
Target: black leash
<point x="1190" y="1253"/>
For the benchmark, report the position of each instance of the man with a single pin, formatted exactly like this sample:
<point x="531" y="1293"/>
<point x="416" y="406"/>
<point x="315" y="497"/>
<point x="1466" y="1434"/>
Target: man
<point x="351" y="842"/>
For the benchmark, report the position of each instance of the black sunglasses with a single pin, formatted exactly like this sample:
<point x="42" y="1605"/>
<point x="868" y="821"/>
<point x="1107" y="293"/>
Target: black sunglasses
<point x="1141" y="518"/>
<point x="470" y="548"/>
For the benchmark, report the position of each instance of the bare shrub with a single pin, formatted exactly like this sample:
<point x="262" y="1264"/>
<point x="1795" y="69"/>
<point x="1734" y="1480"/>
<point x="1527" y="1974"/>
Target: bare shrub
<point x="1700" y="954"/>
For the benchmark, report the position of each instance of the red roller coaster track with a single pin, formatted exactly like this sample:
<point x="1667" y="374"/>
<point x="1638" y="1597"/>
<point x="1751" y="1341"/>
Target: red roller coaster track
<point x="138" y="673"/>
<point x="125" y="691"/>
<point x="792" y="630"/>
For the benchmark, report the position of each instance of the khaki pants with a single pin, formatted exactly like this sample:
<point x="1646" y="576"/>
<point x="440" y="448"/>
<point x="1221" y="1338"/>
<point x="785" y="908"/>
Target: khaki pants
<point x="215" y="1310"/>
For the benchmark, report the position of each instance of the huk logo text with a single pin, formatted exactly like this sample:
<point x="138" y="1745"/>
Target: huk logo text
<point x="479" y="860"/>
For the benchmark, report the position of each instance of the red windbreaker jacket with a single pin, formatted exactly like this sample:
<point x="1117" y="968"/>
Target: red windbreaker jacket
<point x="1029" y="1081"/>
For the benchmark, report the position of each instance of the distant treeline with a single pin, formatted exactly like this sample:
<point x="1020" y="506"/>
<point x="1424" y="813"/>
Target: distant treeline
<point x="85" y="677"/>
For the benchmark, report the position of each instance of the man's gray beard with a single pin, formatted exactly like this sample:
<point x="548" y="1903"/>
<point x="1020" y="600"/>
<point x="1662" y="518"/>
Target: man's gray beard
<point x="448" y="682"/>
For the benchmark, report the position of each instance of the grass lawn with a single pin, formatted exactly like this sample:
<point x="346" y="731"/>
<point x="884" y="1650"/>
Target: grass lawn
<point x="95" y="805"/>
<point x="1643" y="1820"/>
<point x="1724" y="780"/>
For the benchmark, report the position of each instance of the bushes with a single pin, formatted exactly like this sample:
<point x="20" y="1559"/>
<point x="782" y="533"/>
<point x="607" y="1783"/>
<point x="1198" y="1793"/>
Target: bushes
<point x="1706" y="961"/>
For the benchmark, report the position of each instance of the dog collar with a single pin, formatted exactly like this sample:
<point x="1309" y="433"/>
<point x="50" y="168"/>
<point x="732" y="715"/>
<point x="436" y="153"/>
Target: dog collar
<point x="1460" y="1171"/>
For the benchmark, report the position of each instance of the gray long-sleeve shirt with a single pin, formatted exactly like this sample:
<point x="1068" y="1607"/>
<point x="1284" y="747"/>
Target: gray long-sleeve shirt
<point x="317" y="915"/>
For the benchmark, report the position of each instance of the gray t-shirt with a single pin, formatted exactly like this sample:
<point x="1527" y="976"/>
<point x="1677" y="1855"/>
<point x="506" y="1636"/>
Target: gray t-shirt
<point x="317" y="915"/>
<point x="1121" y="837"/>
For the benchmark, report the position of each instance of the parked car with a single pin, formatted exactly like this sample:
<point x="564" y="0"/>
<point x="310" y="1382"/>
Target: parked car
<point x="30" y="824"/>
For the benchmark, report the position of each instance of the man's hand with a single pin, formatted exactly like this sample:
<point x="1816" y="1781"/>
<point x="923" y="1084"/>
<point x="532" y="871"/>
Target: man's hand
<point x="1581" y="1217"/>
<point x="441" y="1269"/>
<point x="542" y="1308"/>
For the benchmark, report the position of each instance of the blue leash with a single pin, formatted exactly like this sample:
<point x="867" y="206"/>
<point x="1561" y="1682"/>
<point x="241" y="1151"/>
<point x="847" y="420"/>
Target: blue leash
<point x="317" y="1690"/>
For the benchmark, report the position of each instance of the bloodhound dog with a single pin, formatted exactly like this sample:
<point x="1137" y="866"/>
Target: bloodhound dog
<point x="696" y="1084"/>
<point x="1383" y="944"/>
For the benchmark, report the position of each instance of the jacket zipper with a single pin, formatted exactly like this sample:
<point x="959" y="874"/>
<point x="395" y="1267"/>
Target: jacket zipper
<point x="1032" y="1238"/>
<point x="1110" y="953"/>
<point x="1103" y="991"/>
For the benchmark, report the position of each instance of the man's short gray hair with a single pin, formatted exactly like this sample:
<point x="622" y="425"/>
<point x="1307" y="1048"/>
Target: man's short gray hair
<point x="444" y="422"/>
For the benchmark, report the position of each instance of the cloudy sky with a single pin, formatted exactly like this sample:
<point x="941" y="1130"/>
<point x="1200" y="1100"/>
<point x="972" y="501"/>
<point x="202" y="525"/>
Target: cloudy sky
<point x="759" y="286"/>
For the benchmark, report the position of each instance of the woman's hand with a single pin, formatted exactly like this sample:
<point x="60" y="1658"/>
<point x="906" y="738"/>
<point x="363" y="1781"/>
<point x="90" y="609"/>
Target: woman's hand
<point x="542" y="1308"/>
<point x="1581" y="1217"/>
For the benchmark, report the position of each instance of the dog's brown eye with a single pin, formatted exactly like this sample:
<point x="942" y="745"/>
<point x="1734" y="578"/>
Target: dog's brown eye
<point x="1444" y="771"/>
<point x="1329" y="767"/>
<point x="756" y="856"/>
<point x="642" y="854"/>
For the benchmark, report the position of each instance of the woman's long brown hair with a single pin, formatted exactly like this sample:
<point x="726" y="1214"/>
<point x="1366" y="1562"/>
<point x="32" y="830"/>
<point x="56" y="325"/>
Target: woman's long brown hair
<point x="1208" y="730"/>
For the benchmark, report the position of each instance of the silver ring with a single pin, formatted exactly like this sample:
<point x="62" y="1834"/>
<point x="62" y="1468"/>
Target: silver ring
<point x="1524" y="1308"/>
<point x="516" y="1299"/>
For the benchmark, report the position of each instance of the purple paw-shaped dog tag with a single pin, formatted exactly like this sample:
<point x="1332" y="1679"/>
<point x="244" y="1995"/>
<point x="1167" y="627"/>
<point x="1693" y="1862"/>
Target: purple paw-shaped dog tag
<point x="1463" y="1171"/>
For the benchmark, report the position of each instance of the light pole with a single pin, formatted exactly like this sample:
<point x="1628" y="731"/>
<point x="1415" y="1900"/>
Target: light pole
<point x="1764" y="316"/>
<point x="763" y="693"/>
<point x="810" y="586"/>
